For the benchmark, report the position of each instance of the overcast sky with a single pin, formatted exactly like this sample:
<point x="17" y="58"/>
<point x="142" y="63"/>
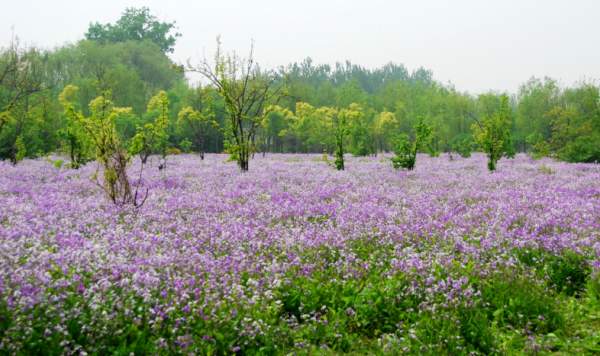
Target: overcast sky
<point x="477" y="45"/>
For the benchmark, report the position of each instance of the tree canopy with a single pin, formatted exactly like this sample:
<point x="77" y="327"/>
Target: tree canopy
<point x="128" y="59"/>
<point x="135" y="24"/>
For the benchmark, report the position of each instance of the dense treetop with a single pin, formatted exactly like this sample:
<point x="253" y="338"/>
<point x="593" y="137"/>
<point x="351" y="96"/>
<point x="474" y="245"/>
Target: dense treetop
<point x="135" y="25"/>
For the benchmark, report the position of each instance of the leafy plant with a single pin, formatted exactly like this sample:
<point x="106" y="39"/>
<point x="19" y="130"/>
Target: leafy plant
<point x="20" y="149"/>
<point x="568" y="272"/>
<point x="493" y="135"/>
<point x="198" y="124"/>
<point x="109" y="151"/>
<point x="405" y="149"/>
<point x="73" y="134"/>
<point x="463" y="145"/>
<point x="153" y="137"/>
<point x="186" y="145"/>
<point x="539" y="147"/>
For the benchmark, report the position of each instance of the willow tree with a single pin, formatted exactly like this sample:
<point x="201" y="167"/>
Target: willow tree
<point x="247" y="91"/>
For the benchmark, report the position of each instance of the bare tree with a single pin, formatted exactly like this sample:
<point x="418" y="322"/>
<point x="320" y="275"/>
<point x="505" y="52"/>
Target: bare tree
<point x="247" y="90"/>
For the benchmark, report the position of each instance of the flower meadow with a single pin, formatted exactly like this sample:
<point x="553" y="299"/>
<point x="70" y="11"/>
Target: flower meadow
<point x="296" y="257"/>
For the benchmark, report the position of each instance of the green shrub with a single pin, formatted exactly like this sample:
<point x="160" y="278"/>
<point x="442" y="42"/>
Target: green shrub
<point x="519" y="301"/>
<point x="568" y="272"/>
<point x="593" y="288"/>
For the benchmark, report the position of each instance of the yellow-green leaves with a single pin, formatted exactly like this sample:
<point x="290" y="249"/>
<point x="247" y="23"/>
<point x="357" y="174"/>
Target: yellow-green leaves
<point x="99" y="128"/>
<point x="152" y="137"/>
<point x="385" y="126"/>
<point x="74" y="138"/>
<point x="5" y="117"/>
<point x="197" y="125"/>
<point x="493" y="134"/>
<point x="159" y="106"/>
<point x="21" y="150"/>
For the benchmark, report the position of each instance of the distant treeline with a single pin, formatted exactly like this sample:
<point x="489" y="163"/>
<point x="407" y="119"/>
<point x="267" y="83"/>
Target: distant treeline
<point x="128" y="62"/>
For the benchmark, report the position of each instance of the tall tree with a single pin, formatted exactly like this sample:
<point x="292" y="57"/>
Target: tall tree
<point x="576" y="125"/>
<point x="197" y="123"/>
<point x="273" y="125"/>
<point x="247" y="91"/>
<point x="22" y="77"/>
<point x="535" y="99"/>
<point x="406" y="149"/>
<point x="152" y="137"/>
<point x="493" y="134"/>
<point x="135" y="24"/>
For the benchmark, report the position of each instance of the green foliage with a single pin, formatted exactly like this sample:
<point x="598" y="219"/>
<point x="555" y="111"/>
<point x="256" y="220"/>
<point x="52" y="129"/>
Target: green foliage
<point x="493" y="134"/>
<point x="153" y="137"/>
<point x="582" y="149"/>
<point x="384" y="127"/>
<point x="520" y="302"/>
<point x="359" y="131"/>
<point x="593" y="288"/>
<point x="20" y="149"/>
<point x="128" y="58"/>
<point x="405" y="154"/>
<point x="58" y="163"/>
<point x="109" y="151"/>
<point x="463" y="145"/>
<point x="73" y="134"/>
<point x="273" y="127"/>
<point x="23" y="113"/>
<point x="539" y="147"/>
<point x="568" y="272"/>
<point x="132" y="71"/>
<point x="535" y="98"/>
<point x="246" y="91"/>
<point x="135" y="24"/>
<point x="186" y="145"/>
<point x="342" y="121"/>
<point x="576" y="125"/>
<point x="310" y="128"/>
<point x="197" y="124"/>
<point x="405" y="149"/>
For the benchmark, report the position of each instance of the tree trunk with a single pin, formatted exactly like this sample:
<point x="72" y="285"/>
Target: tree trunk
<point x="243" y="163"/>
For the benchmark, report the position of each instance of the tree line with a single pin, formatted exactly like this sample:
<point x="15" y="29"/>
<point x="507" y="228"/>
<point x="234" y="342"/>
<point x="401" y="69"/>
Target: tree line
<point x="244" y="109"/>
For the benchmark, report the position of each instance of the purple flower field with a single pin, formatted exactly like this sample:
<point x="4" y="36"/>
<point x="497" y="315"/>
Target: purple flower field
<point x="217" y="261"/>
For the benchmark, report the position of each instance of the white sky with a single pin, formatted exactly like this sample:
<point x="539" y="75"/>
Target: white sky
<point x="477" y="45"/>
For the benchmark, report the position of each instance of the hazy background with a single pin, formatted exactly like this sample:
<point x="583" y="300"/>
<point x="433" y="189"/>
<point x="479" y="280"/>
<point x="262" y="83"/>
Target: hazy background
<point x="477" y="45"/>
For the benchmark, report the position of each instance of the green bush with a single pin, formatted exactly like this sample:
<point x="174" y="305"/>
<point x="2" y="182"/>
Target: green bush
<point x="568" y="272"/>
<point x="521" y="302"/>
<point x="582" y="149"/>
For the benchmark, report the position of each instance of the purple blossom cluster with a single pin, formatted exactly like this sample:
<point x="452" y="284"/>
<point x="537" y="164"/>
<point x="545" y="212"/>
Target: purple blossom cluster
<point x="209" y="236"/>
